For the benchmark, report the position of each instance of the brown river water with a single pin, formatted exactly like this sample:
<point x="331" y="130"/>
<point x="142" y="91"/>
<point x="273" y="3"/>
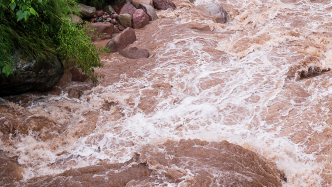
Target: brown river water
<point x="245" y="103"/>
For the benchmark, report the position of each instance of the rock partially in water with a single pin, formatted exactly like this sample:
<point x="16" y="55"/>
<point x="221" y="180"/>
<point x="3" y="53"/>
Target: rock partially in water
<point x="100" y="31"/>
<point x="29" y="74"/>
<point x="134" y="53"/>
<point x="78" y="75"/>
<point x="122" y="40"/>
<point x="125" y="20"/>
<point x="164" y="4"/>
<point x="11" y="172"/>
<point x="309" y="67"/>
<point x="215" y="10"/>
<point x="86" y="11"/>
<point x="74" y="93"/>
<point x="149" y="10"/>
<point x="140" y="19"/>
<point x="17" y="122"/>
<point x="183" y="163"/>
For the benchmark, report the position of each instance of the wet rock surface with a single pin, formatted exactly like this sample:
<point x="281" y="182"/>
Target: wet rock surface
<point x="149" y="10"/>
<point x="29" y="74"/>
<point x="78" y="75"/>
<point x="164" y="4"/>
<point x="134" y="53"/>
<point x="193" y="163"/>
<point x="122" y="40"/>
<point x="140" y="19"/>
<point x="10" y="171"/>
<point x="216" y="10"/>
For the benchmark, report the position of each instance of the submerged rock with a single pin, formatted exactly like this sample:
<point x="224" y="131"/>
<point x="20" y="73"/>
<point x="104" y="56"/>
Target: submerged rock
<point x="164" y="4"/>
<point x="134" y="53"/>
<point x="11" y="172"/>
<point x="140" y="19"/>
<point x="30" y="74"/>
<point x="149" y="10"/>
<point x="86" y="11"/>
<point x="122" y="40"/>
<point x="216" y="10"/>
<point x="183" y="163"/>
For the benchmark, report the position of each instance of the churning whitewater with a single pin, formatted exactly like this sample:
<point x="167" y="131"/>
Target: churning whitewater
<point x="262" y="81"/>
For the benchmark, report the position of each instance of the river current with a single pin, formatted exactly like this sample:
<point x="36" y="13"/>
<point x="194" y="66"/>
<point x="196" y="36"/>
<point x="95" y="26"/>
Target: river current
<point x="260" y="81"/>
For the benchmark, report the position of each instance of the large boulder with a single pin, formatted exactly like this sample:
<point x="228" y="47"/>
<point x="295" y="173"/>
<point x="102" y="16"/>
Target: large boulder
<point x="136" y="3"/>
<point x="125" y="20"/>
<point x="134" y="53"/>
<point x="122" y="40"/>
<point x="164" y="4"/>
<point x="216" y="10"/>
<point x="149" y="10"/>
<point x="109" y="9"/>
<point x="41" y="74"/>
<point x="140" y="19"/>
<point x="128" y="9"/>
<point x="100" y="30"/>
<point x="86" y="11"/>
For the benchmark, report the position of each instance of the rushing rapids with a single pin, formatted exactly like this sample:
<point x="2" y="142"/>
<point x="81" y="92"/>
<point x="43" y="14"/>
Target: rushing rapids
<point x="261" y="81"/>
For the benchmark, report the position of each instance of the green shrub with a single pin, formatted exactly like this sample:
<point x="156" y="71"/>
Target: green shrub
<point x="42" y="29"/>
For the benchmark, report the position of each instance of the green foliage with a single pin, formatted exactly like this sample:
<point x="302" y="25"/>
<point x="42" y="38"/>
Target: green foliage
<point x="41" y="28"/>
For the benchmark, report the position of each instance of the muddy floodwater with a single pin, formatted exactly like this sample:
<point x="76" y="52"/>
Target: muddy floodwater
<point x="246" y="103"/>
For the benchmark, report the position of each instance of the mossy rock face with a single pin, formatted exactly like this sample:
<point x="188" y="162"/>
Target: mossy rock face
<point x="29" y="75"/>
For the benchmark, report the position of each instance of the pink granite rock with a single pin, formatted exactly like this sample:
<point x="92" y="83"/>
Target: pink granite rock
<point x="140" y="19"/>
<point x="122" y="40"/>
<point x="163" y="4"/>
<point x="128" y="9"/>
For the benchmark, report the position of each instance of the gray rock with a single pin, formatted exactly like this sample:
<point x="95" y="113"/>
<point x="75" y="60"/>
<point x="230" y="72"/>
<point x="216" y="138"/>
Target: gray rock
<point x="125" y="20"/>
<point x="217" y="10"/>
<point x="109" y="9"/>
<point x="86" y="11"/>
<point x="29" y="74"/>
<point x="3" y="101"/>
<point x="149" y="10"/>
